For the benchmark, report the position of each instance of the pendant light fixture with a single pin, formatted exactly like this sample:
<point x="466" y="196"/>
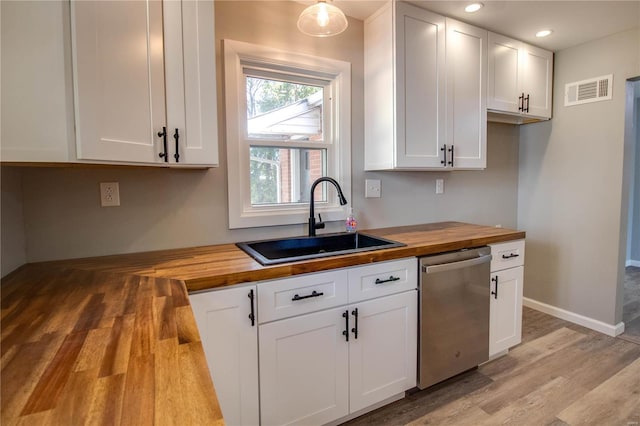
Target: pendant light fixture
<point x="322" y="20"/>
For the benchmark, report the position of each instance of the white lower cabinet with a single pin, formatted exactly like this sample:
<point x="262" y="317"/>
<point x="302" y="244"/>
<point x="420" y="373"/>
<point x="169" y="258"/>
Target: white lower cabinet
<point x="230" y="339"/>
<point x="330" y="344"/>
<point x="304" y="365"/>
<point x="505" y="317"/>
<point x="382" y="358"/>
<point x="318" y="367"/>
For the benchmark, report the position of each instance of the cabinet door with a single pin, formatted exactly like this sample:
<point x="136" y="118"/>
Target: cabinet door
<point x="191" y="81"/>
<point x="505" y="328"/>
<point x="420" y="87"/>
<point x="230" y="343"/>
<point x="304" y="369"/>
<point x="37" y="100"/>
<point x="382" y="358"/>
<point x="119" y="79"/>
<point x="537" y="76"/>
<point x="466" y="95"/>
<point x="503" y="86"/>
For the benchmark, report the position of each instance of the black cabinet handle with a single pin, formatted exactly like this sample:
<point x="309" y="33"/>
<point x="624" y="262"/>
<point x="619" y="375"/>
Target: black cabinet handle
<point x="444" y="155"/>
<point x="451" y="151"/>
<point x="495" y="280"/>
<point x="510" y="256"/>
<point x="176" y="136"/>
<point x="345" y="333"/>
<point x="527" y="99"/>
<point x="252" y="315"/>
<point x="354" y="330"/>
<point x="521" y="102"/>
<point x="163" y="135"/>
<point x="313" y="294"/>
<point x="388" y="280"/>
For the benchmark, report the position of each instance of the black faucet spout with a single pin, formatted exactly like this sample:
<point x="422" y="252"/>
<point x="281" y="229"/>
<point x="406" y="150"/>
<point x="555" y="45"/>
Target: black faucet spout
<point x="312" y="217"/>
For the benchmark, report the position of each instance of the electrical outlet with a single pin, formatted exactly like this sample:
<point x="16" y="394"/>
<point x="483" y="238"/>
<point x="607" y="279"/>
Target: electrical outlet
<point x="372" y="188"/>
<point x="109" y="194"/>
<point x="439" y="186"/>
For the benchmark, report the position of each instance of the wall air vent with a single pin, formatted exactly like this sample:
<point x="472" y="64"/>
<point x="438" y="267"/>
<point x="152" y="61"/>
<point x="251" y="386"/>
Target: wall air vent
<point x="591" y="90"/>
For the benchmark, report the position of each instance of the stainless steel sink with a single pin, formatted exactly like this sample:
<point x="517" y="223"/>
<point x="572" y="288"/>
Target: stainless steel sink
<point x="270" y="252"/>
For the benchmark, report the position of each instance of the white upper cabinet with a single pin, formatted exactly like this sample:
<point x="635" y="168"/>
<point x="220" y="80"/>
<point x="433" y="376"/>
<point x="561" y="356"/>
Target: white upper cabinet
<point x="141" y="67"/>
<point x="425" y="91"/>
<point x="37" y="97"/>
<point x="466" y="96"/>
<point x="404" y="88"/>
<point x="520" y="78"/>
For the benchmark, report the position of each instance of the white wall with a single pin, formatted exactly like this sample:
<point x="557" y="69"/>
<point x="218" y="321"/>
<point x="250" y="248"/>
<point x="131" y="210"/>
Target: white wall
<point x="181" y="208"/>
<point x="570" y="186"/>
<point x="12" y="245"/>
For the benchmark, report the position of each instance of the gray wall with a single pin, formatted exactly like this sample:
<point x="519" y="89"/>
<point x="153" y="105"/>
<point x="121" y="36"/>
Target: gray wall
<point x="180" y="208"/>
<point x="570" y="186"/>
<point x="633" y="252"/>
<point x="12" y="246"/>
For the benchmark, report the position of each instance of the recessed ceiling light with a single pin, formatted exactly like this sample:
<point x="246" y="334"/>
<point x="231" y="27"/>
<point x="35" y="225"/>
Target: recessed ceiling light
<point x="543" y="33"/>
<point x="473" y="7"/>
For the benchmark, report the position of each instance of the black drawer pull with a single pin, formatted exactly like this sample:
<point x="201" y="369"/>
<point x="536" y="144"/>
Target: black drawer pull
<point x="512" y="255"/>
<point x="345" y="332"/>
<point x="313" y="294"/>
<point x="354" y="330"/>
<point x="495" y="280"/>
<point x="388" y="280"/>
<point x="252" y="315"/>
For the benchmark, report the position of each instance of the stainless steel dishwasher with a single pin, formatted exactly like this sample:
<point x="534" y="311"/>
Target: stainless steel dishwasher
<point x="454" y="314"/>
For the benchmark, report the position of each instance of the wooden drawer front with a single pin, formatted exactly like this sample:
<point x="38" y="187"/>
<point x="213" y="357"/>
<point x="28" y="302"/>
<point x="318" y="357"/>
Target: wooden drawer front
<point x="276" y="298"/>
<point x="391" y="277"/>
<point x="507" y="255"/>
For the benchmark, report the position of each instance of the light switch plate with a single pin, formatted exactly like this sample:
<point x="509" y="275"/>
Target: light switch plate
<point x="372" y="188"/>
<point x="439" y="186"/>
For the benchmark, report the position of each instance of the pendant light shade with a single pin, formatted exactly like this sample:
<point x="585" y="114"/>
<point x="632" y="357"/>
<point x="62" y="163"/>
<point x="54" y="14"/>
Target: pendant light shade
<point x="322" y="20"/>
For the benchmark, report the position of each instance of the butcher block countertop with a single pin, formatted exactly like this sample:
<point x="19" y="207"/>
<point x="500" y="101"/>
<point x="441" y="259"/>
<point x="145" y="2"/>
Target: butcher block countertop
<point x="113" y="339"/>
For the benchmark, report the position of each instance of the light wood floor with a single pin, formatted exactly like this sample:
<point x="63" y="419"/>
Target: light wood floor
<point x="561" y="374"/>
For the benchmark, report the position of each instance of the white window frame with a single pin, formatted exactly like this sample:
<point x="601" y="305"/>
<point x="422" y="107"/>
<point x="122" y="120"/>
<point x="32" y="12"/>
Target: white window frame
<point x="338" y="134"/>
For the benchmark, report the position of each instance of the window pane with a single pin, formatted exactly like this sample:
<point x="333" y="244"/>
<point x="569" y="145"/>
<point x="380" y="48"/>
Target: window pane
<point x="284" y="176"/>
<point x="283" y="111"/>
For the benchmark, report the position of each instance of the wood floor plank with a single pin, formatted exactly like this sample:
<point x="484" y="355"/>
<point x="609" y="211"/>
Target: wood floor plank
<point x="523" y="355"/>
<point x="540" y="406"/>
<point x="611" y="403"/>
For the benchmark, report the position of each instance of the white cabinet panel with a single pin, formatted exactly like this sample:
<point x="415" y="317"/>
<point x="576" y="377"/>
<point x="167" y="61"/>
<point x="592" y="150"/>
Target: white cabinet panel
<point x="420" y="86"/>
<point x="505" y="328"/>
<point x="382" y="279"/>
<point x="466" y="95"/>
<point x="507" y="255"/>
<point x="140" y="67"/>
<point x="503" y="74"/>
<point x="301" y="294"/>
<point x="537" y="71"/>
<point x="230" y="341"/>
<point x="507" y="274"/>
<point x="429" y="73"/>
<point x="520" y="78"/>
<point x="119" y="79"/>
<point x="36" y="95"/>
<point x="304" y="369"/>
<point x="382" y="356"/>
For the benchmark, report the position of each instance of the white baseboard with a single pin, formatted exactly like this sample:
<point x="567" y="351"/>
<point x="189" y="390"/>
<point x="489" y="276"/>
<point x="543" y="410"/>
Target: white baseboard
<point x="633" y="263"/>
<point x="593" y="324"/>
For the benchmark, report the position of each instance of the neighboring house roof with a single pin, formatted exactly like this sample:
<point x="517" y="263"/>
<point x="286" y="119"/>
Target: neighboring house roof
<point x="295" y="121"/>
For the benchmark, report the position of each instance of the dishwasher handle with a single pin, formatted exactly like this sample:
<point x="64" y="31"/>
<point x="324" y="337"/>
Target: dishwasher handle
<point x="456" y="265"/>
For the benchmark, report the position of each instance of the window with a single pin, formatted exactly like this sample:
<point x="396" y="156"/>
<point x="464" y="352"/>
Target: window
<point x="288" y="123"/>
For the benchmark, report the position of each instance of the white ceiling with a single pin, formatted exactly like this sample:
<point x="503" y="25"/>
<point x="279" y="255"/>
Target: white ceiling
<point x="573" y="22"/>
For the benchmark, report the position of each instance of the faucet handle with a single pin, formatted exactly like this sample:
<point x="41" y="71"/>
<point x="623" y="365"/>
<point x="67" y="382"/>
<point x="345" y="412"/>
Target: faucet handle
<point x="320" y="223"/>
